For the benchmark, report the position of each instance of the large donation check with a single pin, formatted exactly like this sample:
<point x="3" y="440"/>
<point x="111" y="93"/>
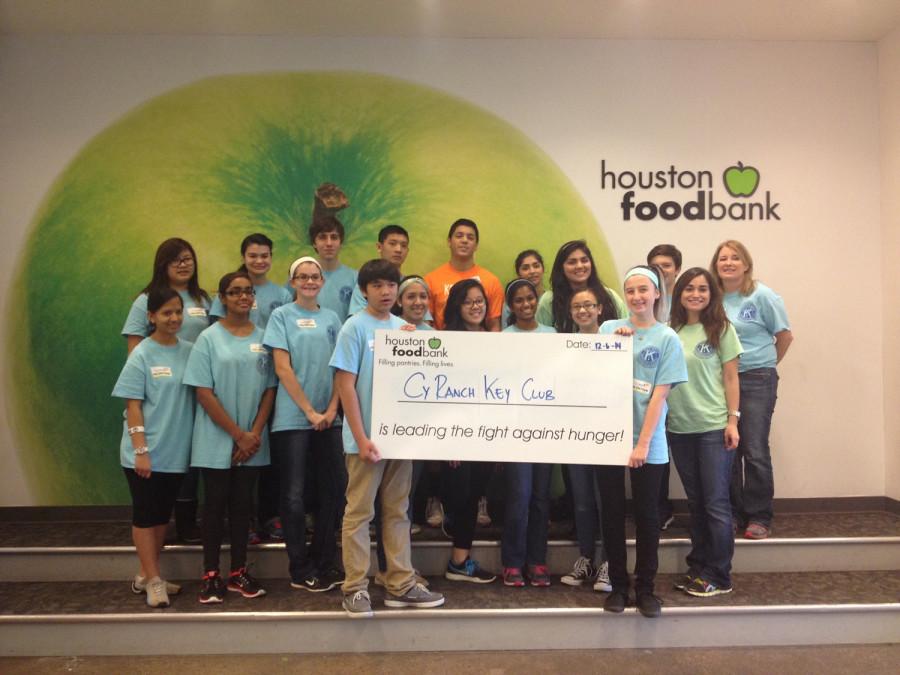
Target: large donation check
<point x="507" y="397"/>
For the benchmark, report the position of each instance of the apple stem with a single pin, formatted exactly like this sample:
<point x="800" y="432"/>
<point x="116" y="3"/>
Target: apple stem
<point x="740" y="165"/>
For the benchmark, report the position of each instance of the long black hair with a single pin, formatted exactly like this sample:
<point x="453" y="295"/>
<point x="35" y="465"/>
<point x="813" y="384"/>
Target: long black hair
<point x="453" y="310"/>
<point x="167" y="253"/>
<point x="562" y="289"/>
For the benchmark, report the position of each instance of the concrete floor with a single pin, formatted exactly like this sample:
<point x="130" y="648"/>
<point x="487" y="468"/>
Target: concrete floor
<point x="822" y="660"/>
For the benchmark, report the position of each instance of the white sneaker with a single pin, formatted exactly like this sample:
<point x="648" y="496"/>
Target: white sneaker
<point x="434" y="512"/>
<point x="139" y="585"/>
<point x="484" y="519"/>
<point x="601" y="583"/>
<point x="156" y="593"/>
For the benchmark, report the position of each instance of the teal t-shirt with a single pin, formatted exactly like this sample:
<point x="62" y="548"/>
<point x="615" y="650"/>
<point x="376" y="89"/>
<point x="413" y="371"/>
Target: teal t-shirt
<point x="756" y="318"/>
<point x="337" y="291"/>
<point x="541" y="328"/>
<point x="269" y="297"/>
<point x="355" y="353"/>
<point x="358" y="303"/>
<point x="153" y="375"/>
<point x="699" y="405"/>
<point x="309" y="338"/>
<point x="196" y="319"/>
<point x="238" y="370"/>
<point x="658" y="359"/>
<point x="545" y="307"/>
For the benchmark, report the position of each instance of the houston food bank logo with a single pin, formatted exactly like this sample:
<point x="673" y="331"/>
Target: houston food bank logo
<point x="740" y="182"/>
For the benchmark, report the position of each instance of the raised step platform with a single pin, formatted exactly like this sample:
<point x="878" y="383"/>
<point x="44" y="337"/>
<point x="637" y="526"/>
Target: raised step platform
<point x="101" y="551"/>
<point x="775" y="609"/>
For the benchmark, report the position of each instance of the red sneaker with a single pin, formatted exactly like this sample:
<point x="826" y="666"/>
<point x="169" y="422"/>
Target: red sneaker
<point x="539" y="575"/>
<point x="512" y="576"/>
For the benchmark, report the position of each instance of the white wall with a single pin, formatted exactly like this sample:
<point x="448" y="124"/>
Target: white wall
<point x="805" y="113"/>
<point x="889" y="113"/>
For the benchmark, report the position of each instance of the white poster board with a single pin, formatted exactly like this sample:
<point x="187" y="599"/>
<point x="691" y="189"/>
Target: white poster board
<point x="506" y="397"/>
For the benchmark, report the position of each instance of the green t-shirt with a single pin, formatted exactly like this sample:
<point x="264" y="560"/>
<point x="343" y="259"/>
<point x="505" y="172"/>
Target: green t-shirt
<point x="699" y="405"/>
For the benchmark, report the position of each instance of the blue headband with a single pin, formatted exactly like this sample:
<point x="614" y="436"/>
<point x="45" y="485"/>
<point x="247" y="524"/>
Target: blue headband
<point x="644" y="272"/>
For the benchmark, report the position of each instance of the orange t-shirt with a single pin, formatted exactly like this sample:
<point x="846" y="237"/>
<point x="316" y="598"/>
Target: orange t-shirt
<point x="441" y="279"/>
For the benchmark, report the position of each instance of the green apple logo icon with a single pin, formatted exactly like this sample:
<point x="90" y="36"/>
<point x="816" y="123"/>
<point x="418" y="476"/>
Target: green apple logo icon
<point x="434" y="343"/>
<point x="740" y="180"/>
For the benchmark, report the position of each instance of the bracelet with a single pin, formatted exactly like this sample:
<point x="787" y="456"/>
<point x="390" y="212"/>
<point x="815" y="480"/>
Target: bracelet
<point x="143" y="450"/>
<point x="735" y="413"/>
<point x="135" y="430"/>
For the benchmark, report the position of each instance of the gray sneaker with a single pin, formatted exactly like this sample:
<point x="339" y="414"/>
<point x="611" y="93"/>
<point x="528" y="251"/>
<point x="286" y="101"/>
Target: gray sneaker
<point x="601" y="581"/>
<point x="139" y="585"/>
<point x="418" y="596"/>
<point x="156" y="593"/>
<point x="358" y="605"/>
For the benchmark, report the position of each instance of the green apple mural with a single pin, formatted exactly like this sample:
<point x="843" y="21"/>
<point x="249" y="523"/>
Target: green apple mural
<point x="740" y="180"/>
<point x="221" y="158"/>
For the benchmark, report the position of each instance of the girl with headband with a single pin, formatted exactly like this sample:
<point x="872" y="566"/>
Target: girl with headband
<point x="302" y="336"/>
<point x="523" y="545"/>
<point x="658" y="366"/>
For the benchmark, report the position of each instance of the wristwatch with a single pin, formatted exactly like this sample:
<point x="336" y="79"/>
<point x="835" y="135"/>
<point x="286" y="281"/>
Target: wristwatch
<point x="735" y="413"/>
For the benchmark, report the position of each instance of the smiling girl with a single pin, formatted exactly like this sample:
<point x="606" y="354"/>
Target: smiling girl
<point x="156" y="439"/>
<point x="658" y="366"/>
<point x="703" y="428"/>
<point x="231" y="371"/>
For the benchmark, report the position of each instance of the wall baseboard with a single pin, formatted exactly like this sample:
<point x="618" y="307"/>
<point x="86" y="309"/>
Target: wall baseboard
<point x="119" y="512"/>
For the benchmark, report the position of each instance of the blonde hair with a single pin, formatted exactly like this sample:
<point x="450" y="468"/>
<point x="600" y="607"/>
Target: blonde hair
<point x="748" y="285"/>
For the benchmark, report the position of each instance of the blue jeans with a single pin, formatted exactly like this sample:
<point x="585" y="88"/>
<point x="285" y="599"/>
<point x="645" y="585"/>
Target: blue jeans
<point x="587" y="509"/>
<point x="527" y="512"/>
<point x="417" y="466"/>
<point x="752" y="482"/>
<point x="704" y="466"/>
<point x="291" y="451"/>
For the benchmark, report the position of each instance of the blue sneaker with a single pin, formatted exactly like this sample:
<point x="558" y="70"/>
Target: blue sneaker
<point x="469" y="570"/>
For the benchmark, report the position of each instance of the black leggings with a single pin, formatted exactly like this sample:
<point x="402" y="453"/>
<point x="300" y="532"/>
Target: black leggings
<point x="231" y="490"/>
<point x="462" y="488"/>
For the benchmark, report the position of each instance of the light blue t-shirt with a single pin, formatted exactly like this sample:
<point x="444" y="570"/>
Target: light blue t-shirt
<point x="268" y="298"/>
<point x="541" y="328"/>
<point x="355" y="353"/>
<point x="196" y="319"/>
<point x="238" y="370"/>
<point x="756" y="318"/>
<point x="337" y="291"/>
<point x="153" y="375"/>
<point x="309" y="338"/>
<point x="658" y="359"/>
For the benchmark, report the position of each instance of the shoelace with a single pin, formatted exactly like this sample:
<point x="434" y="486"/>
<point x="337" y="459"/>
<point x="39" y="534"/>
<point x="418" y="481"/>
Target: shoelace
<point x="359" y="595"/>
<point x="581" y="566"/>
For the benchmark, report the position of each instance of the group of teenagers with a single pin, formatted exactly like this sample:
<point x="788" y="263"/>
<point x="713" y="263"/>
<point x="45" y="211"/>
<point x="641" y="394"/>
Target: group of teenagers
<point x="266" y="389"/>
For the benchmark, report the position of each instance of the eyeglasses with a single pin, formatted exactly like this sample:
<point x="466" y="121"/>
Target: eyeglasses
<point x="238" y="292"/>
<point x="477" y="302"/>
<point x="584" y="307"/>
<point x="303" y="278"/>
<point x="186" y="261"/>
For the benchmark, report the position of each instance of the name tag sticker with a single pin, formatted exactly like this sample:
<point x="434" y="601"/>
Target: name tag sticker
<point x="196" y="311"/>
<point x="371" y="345"/>
<point x="642" y="387"/>
<point x="160" y="371"/>
<point x="257" y="347"/>
<point x="306" y="323"/>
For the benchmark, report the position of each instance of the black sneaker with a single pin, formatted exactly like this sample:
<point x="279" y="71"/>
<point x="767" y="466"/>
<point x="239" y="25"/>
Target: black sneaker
<point x="616" y="601"/>
<point x="469" y="570"/>
<point x="700" y="588"/>
<point x="584" y="570"/>
<point x="648" y="605"/>
<point x="332" y="577"/>
<point x="241" y="582"/>
<point x="311" y="583"/>
<point x="683" y="582"/>
<point x="212" y="589"/>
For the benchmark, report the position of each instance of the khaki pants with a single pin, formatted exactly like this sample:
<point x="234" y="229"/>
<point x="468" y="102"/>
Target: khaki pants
<point x="389" y="478"/>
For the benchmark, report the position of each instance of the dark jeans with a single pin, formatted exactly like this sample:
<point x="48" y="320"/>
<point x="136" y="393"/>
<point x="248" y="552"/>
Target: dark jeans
<point x="228" y="490"/>
<point x="704" y="466"/>
<point x="524" y="538"/>
<point x="587" y="509"/>
<point x="267" y="492"/>
<point x="417" y="466"/>
<point x="665" y="504"/>
<point x="463" y="486"/>
<point x="645" y="495"/>
<point x="292" y="450"/>
<point x="752" y="482"/>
